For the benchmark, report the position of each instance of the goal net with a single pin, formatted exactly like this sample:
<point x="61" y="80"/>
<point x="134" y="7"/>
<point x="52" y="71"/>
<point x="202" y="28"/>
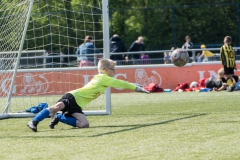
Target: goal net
<point x="38" y="60"/>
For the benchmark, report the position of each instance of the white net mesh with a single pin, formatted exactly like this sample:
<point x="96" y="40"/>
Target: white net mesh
<point x="12" y="21"/>
<point x="48" y="66"/>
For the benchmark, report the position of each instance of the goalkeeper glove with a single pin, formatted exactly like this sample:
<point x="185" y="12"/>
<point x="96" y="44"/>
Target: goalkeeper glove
<point x="142" y="90"/>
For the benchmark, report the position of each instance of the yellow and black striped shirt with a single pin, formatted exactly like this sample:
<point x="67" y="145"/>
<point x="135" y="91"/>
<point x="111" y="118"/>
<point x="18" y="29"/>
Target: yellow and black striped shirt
<point x="227" y="56"/>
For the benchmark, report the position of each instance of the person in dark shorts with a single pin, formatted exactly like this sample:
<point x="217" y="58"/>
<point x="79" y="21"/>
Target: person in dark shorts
<point x="228" y="60"/>
<point x="72" y="103"/>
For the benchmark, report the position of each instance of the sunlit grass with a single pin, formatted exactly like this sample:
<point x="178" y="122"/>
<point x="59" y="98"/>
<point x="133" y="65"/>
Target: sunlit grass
<point x="155" y="126"/>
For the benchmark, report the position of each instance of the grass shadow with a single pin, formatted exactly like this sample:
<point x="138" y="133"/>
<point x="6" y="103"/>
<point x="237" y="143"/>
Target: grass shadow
<point x="133" y="127"/>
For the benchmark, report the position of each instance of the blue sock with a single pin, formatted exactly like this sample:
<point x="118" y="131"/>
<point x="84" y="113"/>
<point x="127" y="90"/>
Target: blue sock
<point x="67" y="120"/>
<point x="41" y="115"/>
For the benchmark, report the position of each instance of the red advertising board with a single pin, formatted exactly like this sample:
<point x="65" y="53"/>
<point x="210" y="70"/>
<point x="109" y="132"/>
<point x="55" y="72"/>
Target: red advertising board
<point x="52" y="82"/>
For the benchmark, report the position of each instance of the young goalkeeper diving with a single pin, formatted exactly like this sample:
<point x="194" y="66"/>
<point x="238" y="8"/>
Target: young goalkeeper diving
<point x="72" y="103"/>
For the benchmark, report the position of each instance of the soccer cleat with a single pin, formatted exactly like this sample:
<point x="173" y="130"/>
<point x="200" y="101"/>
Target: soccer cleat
<point x="231" y="86"/>
<point x="32" y="125"/>
<point x="230" y="89"/>
<point x="54" y="121"/>
<point x="230" y="82"/>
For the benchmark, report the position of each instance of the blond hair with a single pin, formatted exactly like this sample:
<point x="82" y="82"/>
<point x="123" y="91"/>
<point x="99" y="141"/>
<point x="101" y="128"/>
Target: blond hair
<point x="203" y="46"/>
<point x="105" y="63"/>
<point x="221" y="70"/>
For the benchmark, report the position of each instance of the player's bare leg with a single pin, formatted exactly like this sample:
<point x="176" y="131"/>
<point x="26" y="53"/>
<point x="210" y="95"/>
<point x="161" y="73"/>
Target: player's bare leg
<point x="57" y="107"/>
<point x="75" y="120"/>
<point x="82" y="121"/>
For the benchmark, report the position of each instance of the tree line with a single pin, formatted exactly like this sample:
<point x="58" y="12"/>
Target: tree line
<point x="163" y="24"/>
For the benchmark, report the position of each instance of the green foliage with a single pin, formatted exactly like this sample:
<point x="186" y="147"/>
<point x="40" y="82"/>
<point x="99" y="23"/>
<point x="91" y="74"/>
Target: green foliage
<point x="10" y="35"/>
<point x="62" y="26"/>
<point x="163" y="24"/>
<point x="155" y="126"/>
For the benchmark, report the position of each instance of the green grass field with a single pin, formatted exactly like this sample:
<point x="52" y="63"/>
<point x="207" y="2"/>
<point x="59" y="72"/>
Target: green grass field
<point x="155" y="126"/>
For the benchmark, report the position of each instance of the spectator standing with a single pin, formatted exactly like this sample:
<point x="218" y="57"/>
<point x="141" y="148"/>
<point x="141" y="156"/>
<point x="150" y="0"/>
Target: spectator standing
<point x="136" y="46"/>
<point x="117" y="45"/>
<point x="172" y="49"/>
<point x="205" y="53"/>
<point x="166" y="58"/>
<point x="199" y="57"/>
<point x="85" y="50"/>
<point x="189" y="45"/>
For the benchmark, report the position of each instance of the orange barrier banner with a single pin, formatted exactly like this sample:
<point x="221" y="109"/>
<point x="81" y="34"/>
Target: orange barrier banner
<point x="167" y="76"/>
<point x="50" y="82"/>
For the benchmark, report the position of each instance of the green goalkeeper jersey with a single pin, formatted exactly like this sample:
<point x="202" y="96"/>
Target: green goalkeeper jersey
<point x="96" y="87"/>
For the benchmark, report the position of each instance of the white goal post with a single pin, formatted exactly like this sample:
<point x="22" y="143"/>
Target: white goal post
<point x="38" y="63"/>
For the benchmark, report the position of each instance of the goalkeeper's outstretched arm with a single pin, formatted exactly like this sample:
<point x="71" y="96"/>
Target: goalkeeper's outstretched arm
<point x="141" y="89"/>
<point x="106" y="68"/>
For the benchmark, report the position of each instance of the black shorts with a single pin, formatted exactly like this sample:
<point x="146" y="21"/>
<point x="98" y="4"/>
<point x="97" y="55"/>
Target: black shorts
<point x="71" y="105"/>
<point x="228" y="70"/>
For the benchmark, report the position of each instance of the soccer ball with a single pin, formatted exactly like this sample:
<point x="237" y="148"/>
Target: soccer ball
<point x="179" y="57"/>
